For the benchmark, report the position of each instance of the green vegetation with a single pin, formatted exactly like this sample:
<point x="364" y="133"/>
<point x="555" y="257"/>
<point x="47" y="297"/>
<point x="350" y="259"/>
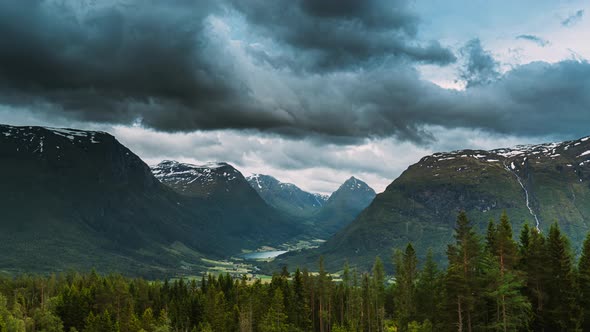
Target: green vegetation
<point x="420" y="206"/>
<point x="491" y="283"/>
<point x="81" y="200"/>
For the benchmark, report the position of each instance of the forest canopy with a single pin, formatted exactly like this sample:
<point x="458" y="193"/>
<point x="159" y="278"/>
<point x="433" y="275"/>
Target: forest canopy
<point x="492" y="282"/>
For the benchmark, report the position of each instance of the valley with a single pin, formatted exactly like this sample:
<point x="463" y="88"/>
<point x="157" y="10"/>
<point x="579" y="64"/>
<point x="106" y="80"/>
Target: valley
<point x="210" y="232"/>
<point x="212" y="212"/>
<point x="294" y="166"/>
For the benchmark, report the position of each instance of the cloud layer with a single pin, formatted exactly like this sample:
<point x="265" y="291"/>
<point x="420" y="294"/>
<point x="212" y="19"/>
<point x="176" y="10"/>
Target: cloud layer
<point x="335" y="71"/>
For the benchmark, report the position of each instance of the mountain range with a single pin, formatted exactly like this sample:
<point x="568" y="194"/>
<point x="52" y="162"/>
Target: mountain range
<point x="239" y="217"/>
<point x="287" y="197"/>
<point x="324" y="215"/>
<point x="73" y="199"/>
<point x="534" y="184"/>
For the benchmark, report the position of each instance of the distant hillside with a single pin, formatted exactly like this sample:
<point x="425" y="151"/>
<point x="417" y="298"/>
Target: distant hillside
<point x="321" y="215"/>
<point x="74" y="199"/>
<point x="287" y="197"/>
<point x="344" y="205"/>
<point x="238" y="215"/>
<point x="538" y="184"/>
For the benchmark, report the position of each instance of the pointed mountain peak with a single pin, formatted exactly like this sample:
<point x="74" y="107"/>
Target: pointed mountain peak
<point x="354" y="180"/>
<point x="354" y="184"/>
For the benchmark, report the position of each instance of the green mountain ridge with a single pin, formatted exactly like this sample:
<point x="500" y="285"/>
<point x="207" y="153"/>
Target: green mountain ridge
<point x="535" y="184"/>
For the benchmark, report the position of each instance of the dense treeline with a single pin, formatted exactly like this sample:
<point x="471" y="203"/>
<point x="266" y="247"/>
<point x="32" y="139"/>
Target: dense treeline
<point x="492" y="283"/>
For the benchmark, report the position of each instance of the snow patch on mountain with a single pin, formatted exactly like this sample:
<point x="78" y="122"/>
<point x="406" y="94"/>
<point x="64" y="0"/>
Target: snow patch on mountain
<point x="173" y="171"/>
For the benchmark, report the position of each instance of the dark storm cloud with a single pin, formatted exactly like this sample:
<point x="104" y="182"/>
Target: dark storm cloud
<point x="132" y="61"/>
<point x="480" y="66"/>
<point x="535" y="39"/>
<point x="540" y="99"/>
<point x="158" y="63"/>
<point x="573" y="19"/>
<point x="170" y="68"/>
<point x="333" y="35"/>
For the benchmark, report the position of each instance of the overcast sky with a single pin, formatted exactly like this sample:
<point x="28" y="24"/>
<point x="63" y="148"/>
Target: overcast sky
<point x="309" y="91"/>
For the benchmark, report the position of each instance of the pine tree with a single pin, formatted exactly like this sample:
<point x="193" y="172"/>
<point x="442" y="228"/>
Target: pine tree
<point x="513" y="308"/>
<point x="429" y="292"/>
<point x="100" y="323"/>
<point x="406" y="265"/>
<point x="301" y="305"/>
<point x="537" y="275"/>
<point x="510" y="309"/>
<point x="4" y="313"/>
<point x="491" y="236"/>
<point x="46" y="321"/>
<point x="563" y="313"/>
<point x="524" y="241"/>
<point x="345" y="310"/>
<point x="378" y="286"/>
<point x="462" y="274"/>
<point x="323" y="291"/>
<point x="584" y="283"/>
<point x="275" y="319"/>
<point x="506" y="249"/>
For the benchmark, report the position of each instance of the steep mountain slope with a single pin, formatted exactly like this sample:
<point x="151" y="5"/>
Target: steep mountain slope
<point x="539" y="184"/>
<point x="237" y="211"/>
<point x="344" y="205"/>
<point x="287" y="197"/>
<point x="75" y="199"/>
<point x="72" y="199"/>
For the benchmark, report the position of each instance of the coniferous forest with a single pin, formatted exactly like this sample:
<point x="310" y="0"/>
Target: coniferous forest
<point x="492" y="282"/>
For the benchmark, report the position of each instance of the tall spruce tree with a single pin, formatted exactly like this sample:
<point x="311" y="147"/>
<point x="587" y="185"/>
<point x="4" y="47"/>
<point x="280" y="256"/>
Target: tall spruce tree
<point x="491" y="236"/>
<point x="406" y="265"/>
<point x="429" y="294"/>
<point x="563" y="313"/>
<point x="275" y="319"/>
<point x="378" y="291"/>
<point x="584" y="283"/>
<point x="512" y="309"/>
<point x="462" y="282"/>
<point x="534" y="263"/>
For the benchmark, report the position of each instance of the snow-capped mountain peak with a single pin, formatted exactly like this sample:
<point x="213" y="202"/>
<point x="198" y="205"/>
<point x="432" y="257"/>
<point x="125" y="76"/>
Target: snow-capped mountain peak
<point x="197" y="179"/>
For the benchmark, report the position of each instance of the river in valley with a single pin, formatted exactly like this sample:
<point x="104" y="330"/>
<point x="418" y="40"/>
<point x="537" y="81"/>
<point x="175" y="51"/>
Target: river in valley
<point x="263" y="254"/>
